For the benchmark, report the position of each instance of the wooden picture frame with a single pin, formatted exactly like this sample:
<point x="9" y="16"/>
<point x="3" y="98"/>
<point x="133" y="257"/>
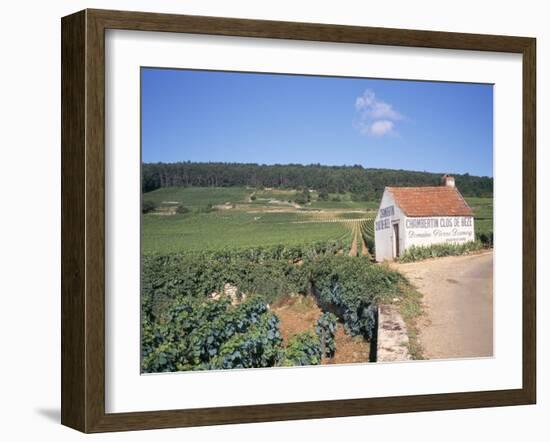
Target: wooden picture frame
<point x="83" y="220"/>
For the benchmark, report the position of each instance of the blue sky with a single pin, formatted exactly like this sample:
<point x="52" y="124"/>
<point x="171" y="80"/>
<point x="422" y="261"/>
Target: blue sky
<point x="262" y="118"/>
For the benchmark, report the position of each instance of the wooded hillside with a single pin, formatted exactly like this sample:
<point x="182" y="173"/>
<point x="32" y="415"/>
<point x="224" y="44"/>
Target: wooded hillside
<point x="365" y="184"/>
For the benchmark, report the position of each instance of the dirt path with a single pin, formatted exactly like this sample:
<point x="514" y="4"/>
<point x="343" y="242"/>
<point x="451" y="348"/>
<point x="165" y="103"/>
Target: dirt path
<point x="364" y="248"/>
<point x="354" y="236"/>
<point x="349" y="350"/>
<point x="458" y="305"/>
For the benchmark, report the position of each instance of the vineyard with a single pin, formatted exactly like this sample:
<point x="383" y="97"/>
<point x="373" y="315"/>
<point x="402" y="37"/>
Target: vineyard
<point x="199" y="219"/>
<point x="190" y="322"/>
<point x="217" y="263"/>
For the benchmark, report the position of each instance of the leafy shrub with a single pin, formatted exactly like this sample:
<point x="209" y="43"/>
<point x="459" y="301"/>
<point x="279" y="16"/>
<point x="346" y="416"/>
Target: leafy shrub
<point x="326" y="326"/>
<point x="259" y="346"/>
<point x="417" y="253"/>
<point x="191" y="335"/>
<point x="360" y="196"/>
<point x="303" y="349"/>
<point x="209" y="208"/>
<point x="354" y="286"/>
<point x="148" y="206"/>
<point x="303" y="198"/>
<point x="182" y="210"/>
<point x="370" y="245"/>
<point x="486" y="238"/>
<point x="323" y="195"/>
<point x="163" y="358"/>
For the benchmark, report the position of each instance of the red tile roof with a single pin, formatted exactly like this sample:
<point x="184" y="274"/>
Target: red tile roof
<point x="430" y="201"/>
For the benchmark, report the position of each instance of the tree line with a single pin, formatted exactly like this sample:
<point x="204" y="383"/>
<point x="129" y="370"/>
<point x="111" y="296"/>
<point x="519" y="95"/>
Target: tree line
<point x="364" y="183"/>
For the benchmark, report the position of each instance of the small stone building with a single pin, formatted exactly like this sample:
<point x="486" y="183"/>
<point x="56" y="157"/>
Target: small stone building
<point x="421" y="216"/>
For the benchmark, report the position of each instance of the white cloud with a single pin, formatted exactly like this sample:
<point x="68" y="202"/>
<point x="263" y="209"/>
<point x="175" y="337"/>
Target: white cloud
<point x="374" y="116"/>
<point x="381" y="127"/>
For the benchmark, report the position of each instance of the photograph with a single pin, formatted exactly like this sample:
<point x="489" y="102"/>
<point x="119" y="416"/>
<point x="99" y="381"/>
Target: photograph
<point x="306" y="220"/>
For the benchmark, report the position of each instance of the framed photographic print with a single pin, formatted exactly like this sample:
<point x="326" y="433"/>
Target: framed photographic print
<point x="268" y="220"/>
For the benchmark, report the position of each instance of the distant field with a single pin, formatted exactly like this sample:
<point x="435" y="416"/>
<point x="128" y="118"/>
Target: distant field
<point x="483" y="213"/>
<point x="279" y="194"/>
<point x="194" y="197"/>
<point x="343" y="201"/>
<point x="233" y="229"/>
<point x="363" y="205"/>
<point x="260" y="222"/>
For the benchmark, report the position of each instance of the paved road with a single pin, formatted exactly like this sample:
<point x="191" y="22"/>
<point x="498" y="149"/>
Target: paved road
<point x="458" y="303"/>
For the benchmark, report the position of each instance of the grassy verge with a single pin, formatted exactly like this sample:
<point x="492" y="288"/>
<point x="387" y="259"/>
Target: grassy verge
<point x="418" y="253"/>
<point x="410" y="307"/>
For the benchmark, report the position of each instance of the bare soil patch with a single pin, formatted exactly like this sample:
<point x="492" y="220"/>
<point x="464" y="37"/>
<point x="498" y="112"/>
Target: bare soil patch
<point x="349" y="349"/>
<point x="299" y="313"/>
<point x="353" y="248"/>
<point x="364" y="248"/>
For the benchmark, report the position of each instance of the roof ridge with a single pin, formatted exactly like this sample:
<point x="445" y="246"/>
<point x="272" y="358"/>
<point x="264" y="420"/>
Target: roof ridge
<point x="430" y="201"/>
<point x="420" y="187"/>
<point x="463" y="200"/>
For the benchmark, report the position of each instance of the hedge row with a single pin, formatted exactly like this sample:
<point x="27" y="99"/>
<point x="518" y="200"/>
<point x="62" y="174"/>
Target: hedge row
<point x="258" y="254"/>
<point x="486" y="238"/>
<point x="325" y="329"/>
<point x="302" y="349"/>
<point x="353" y="287"/>
<point x="270" y="271"/>
<point x="166" y="278"/>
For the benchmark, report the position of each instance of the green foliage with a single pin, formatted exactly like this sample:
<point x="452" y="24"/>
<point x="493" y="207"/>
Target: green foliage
<point x="148" y="206"/>
<point x="183" y="328"/>
<point x="182" y="210"/>
<point x="196" y="197"/>
<point x="302" y="349"/>
<point x="363" y="196"/>
<point x="303" y="198"/>
<point x="266" y="270"/>
<point x="269" y="271"/>
<point x="209" y="208"/>
<point x="259" y="346"/>
<point x="485" y="238"/>
<point x="193" y="335"/>
<point x="483" y="219"/>
<point x="235" y="229"/>
<point x="325" y="329"/>
<point x="417" y="253"/>
<point x="354" y="286"/>
<point x="367" y="232"/>
<point x="331" y="179"/>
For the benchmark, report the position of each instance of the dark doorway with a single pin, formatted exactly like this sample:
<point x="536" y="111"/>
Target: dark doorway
<point x="396" y="240"/>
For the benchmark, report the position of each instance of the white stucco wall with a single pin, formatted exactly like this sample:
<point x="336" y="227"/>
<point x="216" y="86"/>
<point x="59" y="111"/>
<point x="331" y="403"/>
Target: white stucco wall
<point x="418" y="231"/>
<point x="438" y="229"/>
<point x="383" y="228"/>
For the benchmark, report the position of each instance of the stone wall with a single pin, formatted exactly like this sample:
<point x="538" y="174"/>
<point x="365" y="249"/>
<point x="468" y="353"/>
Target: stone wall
<point x="392" y="339"/>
